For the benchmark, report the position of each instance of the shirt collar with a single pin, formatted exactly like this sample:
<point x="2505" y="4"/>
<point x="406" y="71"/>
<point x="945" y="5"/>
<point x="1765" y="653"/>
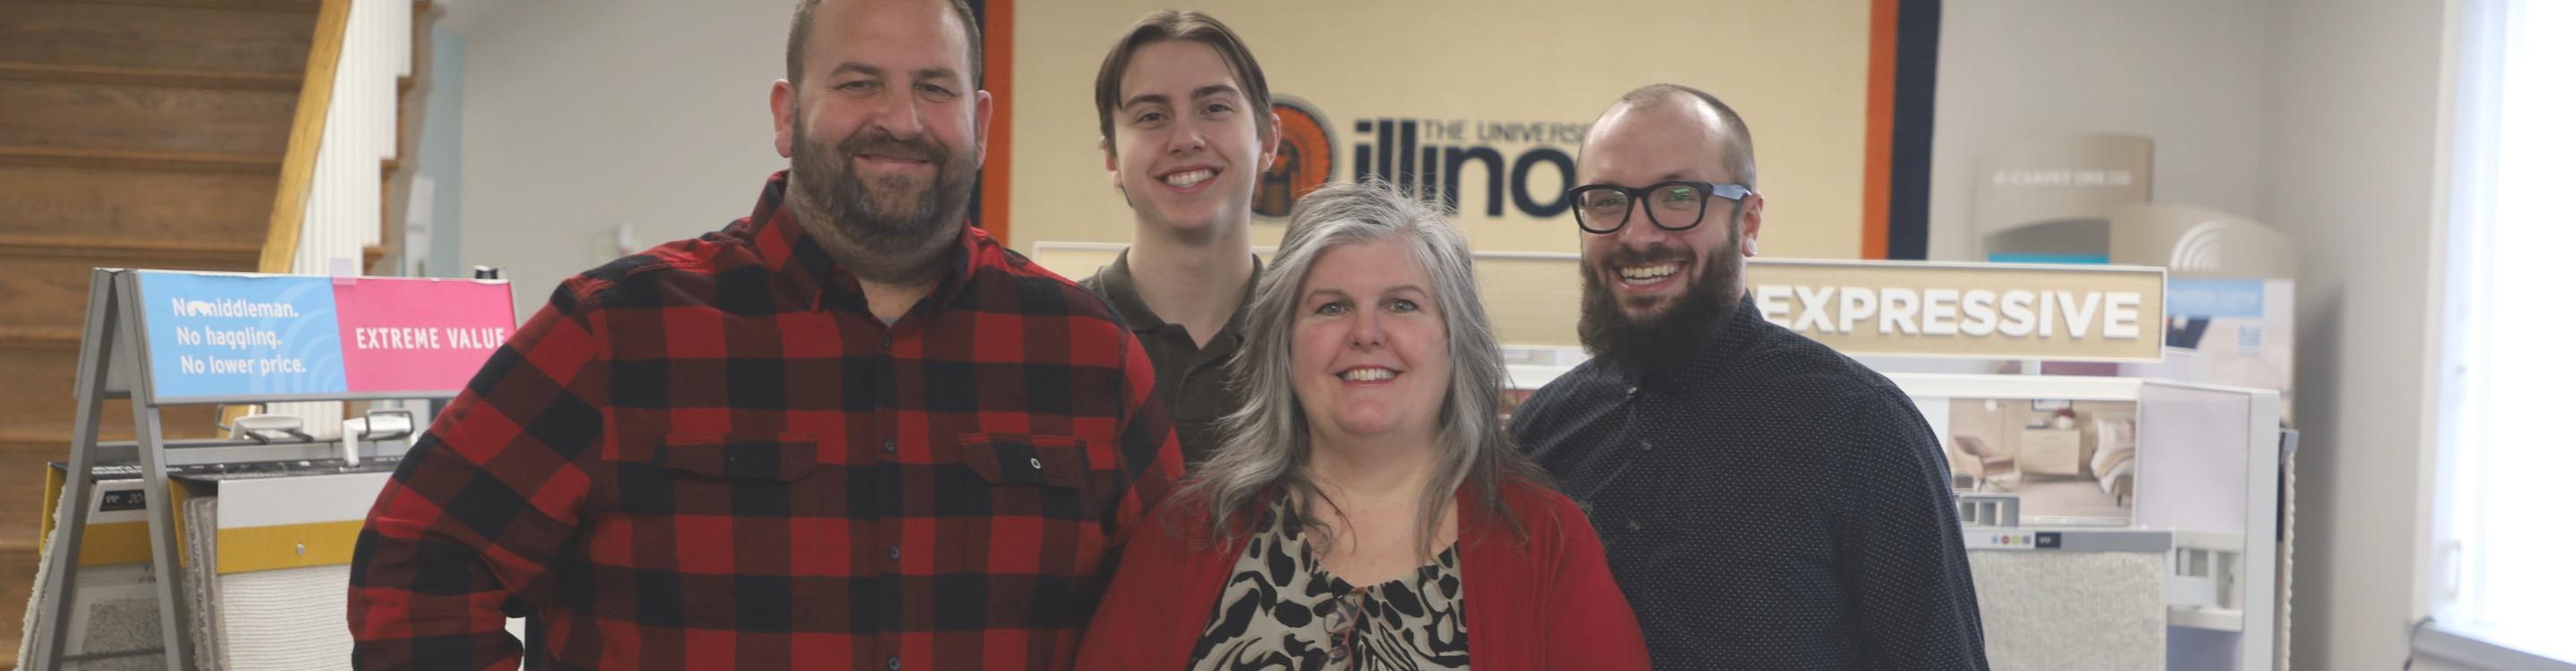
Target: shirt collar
<point x="802" y="268"/>
<point x="1118" y="285"/>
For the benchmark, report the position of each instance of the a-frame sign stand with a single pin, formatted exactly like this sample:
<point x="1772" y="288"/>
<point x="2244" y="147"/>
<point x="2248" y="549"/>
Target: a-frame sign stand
<point x="111" y="366"/>
<point x="117" y="360"/>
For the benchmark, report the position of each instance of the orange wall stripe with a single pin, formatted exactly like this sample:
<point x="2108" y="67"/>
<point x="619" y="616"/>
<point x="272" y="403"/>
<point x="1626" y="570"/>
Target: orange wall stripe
<point x="1882" y="124"/>
<point x="1000" y="41"/>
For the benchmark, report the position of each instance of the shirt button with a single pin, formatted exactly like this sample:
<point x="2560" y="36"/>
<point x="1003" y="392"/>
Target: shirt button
<point x="1033" y="463"/>
<point x="1634" y="526"/>
<point x="894" y="552"/>
<point x="894" y="664"/>
<point x="886" y="344"/>
<point x="1645" y="444"/>
<point x="1632" y="392"/>
<point x="889" y="445"/>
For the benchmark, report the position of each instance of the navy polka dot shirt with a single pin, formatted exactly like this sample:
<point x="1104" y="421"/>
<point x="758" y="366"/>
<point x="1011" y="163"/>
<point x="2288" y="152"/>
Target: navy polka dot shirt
<point x="1770" y="504"/>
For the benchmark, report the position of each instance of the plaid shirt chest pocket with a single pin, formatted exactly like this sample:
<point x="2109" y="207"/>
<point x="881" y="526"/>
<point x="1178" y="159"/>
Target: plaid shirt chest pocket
<point x="1039" y="503"/>
<point x="1036" y="475"/>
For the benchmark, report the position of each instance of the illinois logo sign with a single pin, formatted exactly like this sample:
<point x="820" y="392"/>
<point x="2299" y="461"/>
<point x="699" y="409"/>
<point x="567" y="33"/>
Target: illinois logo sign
<point x="1305" y="158"/>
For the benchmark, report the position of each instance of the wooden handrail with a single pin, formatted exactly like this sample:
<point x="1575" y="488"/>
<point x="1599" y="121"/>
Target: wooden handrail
<point x="304" y="142"/>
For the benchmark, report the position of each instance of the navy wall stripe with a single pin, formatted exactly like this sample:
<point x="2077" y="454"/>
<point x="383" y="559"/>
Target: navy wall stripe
<point x="1909" y="182"/>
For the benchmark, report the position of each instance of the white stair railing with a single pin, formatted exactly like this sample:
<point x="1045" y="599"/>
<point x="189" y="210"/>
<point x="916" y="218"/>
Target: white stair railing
<point x="344" y="209"/>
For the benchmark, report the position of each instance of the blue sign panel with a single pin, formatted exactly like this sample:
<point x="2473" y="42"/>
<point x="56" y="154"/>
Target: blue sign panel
<point x="237" y="335"/>
<point x="2203" y="297"/>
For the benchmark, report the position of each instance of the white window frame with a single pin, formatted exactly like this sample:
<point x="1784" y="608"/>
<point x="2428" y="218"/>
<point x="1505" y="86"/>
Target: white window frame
<point x="2476" y="45"/>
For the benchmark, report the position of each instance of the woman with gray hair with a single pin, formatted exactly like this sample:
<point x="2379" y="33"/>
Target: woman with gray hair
<point x="1366" y="509"/>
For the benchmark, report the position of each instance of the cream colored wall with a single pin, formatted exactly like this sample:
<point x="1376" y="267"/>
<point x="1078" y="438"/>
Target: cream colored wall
<point x="1796" y="71"/>
<point x="2352" y="169"/>
<point x="2181" y="71"/>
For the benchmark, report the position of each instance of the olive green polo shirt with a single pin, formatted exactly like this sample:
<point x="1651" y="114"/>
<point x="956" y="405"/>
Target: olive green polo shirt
<point x="1190" y="379"/>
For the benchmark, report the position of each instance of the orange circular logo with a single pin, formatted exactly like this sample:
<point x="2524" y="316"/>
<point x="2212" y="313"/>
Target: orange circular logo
<point x="1305" y="158"/>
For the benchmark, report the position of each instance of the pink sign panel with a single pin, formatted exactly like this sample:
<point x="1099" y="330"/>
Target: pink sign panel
<point x="415" y="334"/>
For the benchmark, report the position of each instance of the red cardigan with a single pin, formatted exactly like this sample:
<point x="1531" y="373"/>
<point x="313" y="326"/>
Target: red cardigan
<point x="1548" y="603"/>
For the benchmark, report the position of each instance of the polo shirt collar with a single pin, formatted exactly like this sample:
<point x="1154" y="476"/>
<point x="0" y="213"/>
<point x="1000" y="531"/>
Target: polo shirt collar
<point x="1118" y="285"/>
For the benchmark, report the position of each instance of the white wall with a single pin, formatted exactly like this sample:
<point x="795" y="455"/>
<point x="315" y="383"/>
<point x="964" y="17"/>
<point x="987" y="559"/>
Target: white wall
<point x="442" y="144"/>
<point x="580" y="114"/>
<point x="2185" y="72"/>
<point x="2351" y="94"/>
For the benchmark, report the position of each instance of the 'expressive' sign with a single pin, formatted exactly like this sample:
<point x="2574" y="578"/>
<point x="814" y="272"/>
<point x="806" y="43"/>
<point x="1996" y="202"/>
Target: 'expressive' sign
<point x="1996" y="311"/>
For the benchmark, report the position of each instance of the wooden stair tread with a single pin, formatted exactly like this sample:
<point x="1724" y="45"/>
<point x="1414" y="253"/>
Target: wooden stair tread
<point x="76" y="244"/>
<point x="39" y="393"/>
<point x="22" y="500"/>
<point x="159" y="77"/>
<point x="116" y="423"/>
<point x="55" y="114"/>
<point x="39" y="336"/>
<point x="19" y="435"/>
<point x="141" y="159"/>
<point x="106" y="252"/>
<point x="199" y="206"/>
<point x="48" y="286"/>
<point x="240" y="5"/>
<point x="18" y="560"/>
<point x="150" y="36"/>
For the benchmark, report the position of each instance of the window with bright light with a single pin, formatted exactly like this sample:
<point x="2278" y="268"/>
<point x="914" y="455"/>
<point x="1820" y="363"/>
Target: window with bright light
<point x="2507" y="529"/>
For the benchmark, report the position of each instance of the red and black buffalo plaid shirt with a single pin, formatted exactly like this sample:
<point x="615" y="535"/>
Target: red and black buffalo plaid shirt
<point x="713" y="456"/>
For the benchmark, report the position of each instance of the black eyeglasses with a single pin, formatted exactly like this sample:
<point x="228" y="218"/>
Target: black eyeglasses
<point x="1677" y="205"/>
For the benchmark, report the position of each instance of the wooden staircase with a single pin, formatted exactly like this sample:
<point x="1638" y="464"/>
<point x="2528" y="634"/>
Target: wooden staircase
<point x="133" y="133"/>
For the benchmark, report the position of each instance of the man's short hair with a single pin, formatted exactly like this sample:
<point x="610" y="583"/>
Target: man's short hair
<point x="1739" y="152"/>
<point x="1171" y="25"/>
<point x="802" y="23"/>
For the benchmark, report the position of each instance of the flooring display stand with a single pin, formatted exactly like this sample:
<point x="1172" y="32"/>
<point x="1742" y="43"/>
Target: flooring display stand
<point x="2111" y="522"/>
<point x="169" y="338"/>
<point x="2166" y="552"/>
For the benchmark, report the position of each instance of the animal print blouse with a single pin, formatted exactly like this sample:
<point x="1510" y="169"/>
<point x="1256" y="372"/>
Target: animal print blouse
<point x="1281" y="610"/>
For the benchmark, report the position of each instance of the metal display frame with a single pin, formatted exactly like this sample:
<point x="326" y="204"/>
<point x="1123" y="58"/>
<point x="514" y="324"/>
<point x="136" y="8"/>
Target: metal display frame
<point x="115" y="363"/>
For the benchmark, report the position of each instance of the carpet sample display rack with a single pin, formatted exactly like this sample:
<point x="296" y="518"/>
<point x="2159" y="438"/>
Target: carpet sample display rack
<point x="232" y="552"/>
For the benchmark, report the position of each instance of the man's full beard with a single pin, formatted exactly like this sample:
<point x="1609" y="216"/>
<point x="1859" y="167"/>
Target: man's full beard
<point x="1672" y="337"/>
<point x="871" y="210"/>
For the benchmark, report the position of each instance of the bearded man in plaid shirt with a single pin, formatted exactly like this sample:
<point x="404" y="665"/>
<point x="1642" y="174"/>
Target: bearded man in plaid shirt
<point x="845" y="432"/>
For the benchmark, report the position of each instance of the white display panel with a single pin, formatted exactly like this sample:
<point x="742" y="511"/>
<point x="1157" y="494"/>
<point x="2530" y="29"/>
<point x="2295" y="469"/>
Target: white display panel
<point x="2197" y="479"/>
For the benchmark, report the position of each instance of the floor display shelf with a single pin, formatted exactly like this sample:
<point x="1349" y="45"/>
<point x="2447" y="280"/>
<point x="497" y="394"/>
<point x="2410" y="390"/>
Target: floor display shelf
<point x="2175" y="585"/>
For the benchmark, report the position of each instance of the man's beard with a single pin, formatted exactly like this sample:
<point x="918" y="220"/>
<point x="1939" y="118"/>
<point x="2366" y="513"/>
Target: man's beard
<point x="892" y="217"/>
<point x="1687" y="324"/>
